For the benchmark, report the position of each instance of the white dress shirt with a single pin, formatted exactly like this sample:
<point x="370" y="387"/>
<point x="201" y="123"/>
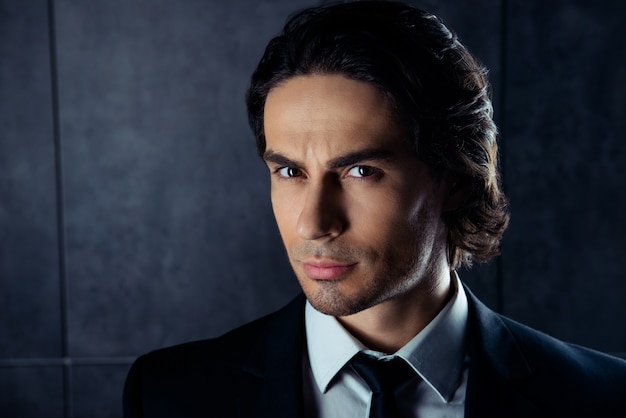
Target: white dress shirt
<point x="437" y="354"/>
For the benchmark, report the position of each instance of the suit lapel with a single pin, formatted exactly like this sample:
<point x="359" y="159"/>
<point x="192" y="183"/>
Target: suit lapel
<point x="271" y="376"/>
<point x="498" y="369"/>
<point x="270" y="380"/>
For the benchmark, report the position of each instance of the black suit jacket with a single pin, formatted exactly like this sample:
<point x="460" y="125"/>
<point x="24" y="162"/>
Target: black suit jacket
<point x="256" y="371"/>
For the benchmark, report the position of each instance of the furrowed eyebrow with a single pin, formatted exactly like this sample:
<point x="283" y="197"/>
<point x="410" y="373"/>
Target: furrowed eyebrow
<point x="360" y="156"/>
<point x="339" y="162"/>
<point x="279" y="159"/>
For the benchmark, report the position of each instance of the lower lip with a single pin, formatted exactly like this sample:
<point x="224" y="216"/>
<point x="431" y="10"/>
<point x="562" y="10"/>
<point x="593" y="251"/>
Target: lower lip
<point x="326" y="272"/>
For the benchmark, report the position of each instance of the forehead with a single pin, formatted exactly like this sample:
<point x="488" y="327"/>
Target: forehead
<point x="329" y="113"/>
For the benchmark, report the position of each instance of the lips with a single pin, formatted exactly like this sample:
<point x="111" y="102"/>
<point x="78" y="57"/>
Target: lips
<point x="326" y="270"/>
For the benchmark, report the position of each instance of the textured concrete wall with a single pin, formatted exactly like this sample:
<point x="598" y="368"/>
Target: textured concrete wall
<point x="134" y="212"/>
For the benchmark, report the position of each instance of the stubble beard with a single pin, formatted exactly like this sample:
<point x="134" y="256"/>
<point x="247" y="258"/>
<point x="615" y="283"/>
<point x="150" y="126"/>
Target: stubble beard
<point x="383" y="276"/>
<point x="336" y="298"/>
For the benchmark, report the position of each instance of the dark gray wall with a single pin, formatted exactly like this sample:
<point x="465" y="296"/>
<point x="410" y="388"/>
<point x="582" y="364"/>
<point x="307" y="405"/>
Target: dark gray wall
<point x="134" y="212"/>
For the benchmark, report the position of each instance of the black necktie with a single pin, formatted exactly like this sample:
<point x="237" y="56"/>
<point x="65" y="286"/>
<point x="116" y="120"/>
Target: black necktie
<point x="383" y="378"/>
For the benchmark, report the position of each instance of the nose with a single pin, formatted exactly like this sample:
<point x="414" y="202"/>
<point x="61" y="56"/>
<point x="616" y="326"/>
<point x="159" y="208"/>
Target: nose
<point x="321" y="216"/>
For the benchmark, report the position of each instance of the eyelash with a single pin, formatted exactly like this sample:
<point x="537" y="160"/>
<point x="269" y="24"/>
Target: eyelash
<point x="280" y="175"/>
<point x="375" y="173"/>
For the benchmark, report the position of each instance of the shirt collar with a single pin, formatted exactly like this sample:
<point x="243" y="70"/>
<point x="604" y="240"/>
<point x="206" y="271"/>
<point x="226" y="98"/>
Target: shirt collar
<point x="437" y="353"/>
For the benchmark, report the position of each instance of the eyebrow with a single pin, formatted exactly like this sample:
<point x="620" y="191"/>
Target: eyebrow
<point x="279" y="159"/>
<point x="339" y="162"/>
<point x="360" y="156"/>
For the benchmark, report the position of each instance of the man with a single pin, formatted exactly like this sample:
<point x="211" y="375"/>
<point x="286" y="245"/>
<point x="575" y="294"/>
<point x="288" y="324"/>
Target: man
<point x="376" y="125"/>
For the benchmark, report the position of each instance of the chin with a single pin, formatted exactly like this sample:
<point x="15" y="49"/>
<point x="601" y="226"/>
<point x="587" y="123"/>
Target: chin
<point x="328" y="299"/>
<point x="334" y="308"/>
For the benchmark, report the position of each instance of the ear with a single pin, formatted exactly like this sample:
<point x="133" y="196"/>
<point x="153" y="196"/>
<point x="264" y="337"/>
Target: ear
<point x="456" y="195"/>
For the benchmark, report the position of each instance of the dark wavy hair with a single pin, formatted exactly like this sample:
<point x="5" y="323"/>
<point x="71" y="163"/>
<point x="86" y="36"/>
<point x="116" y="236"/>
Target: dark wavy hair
<point x="439" y="90"/>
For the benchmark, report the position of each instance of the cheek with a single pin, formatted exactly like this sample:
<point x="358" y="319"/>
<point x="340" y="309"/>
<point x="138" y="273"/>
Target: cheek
<point x="285" y="213"/>
<point x="379" y="222"/>
<point x="420" y="206"/>
<point x="388" y="209"/>
<point x="397" y="222"/>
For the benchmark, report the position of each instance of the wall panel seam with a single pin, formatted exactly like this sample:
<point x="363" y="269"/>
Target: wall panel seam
<point x="60" y="199"/>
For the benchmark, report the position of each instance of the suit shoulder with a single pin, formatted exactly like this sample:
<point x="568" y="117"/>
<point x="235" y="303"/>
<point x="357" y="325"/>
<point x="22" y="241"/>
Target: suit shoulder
<point x="574" y="368"/>
<point x="219" y="352"/>
<point x="203" y="375"/>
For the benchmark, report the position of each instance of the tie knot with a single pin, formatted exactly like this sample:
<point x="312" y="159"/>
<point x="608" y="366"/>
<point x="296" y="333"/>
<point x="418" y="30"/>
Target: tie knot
<point x="382" y="375"/>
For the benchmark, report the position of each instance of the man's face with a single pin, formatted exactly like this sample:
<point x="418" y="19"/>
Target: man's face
<point x="359" y="214"/>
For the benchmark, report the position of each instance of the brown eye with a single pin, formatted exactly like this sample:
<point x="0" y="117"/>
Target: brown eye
<point x="361" y="171"/>
<point x="288" y="172"/>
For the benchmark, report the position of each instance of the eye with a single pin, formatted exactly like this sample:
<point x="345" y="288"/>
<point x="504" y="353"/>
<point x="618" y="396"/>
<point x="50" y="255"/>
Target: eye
<point x="289" y="172"/>
<point x="362" y="171"/>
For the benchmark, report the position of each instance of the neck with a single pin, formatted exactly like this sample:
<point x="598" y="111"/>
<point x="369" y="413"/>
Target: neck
<point x="389" y="325"/>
